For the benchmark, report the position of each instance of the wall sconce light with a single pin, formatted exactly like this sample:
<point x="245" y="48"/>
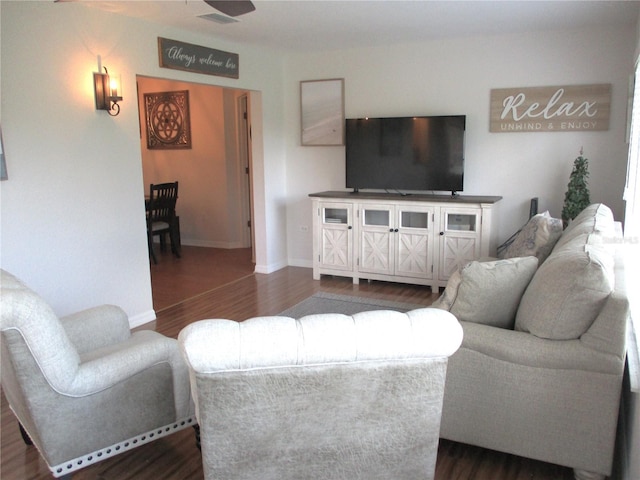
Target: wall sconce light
<point x="108" y="90"/>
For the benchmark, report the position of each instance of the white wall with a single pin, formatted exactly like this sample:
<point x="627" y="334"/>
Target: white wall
<point x="455" y="77"/>
<point x="72" y="220"/>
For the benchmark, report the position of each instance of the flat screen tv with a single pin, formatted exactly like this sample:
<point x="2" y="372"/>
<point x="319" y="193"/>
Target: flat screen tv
<point x="405" y="153"/>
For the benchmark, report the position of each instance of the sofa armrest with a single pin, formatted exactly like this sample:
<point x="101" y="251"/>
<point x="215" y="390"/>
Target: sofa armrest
<point x="96" y="327"/>
<point x="523" y="348"/>
<point x="106" y="367"/>
<point x="608" y="332"/>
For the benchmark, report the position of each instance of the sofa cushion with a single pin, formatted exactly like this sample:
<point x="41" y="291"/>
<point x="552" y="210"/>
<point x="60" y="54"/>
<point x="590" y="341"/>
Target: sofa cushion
<point x="536" y="238"/>
<point x="595" y="219"/>
<point x="567" y="293"/>
<point x="488" y="292"/>
<point x="448" y="297"/>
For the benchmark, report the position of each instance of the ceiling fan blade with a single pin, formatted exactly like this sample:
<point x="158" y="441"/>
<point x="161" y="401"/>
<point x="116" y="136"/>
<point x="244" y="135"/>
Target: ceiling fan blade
<point x="233" y="8"/>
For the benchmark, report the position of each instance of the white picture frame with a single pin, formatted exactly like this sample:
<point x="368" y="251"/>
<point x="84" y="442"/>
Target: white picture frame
<point x="322" y="112"/>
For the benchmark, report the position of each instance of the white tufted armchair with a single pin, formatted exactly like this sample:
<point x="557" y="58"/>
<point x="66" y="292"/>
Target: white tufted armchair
<point x="83" y="387"/>
<point x="325" y="397"/>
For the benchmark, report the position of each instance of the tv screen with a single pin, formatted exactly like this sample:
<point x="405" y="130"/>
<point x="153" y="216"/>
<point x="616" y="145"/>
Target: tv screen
<point x="405" y="153"/>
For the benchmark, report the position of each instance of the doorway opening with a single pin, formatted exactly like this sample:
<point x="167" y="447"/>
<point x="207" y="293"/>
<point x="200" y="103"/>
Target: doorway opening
<point x="215" y="196"/>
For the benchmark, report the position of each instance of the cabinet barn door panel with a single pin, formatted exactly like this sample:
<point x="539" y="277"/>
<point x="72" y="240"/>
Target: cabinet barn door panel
<point x="457" y="252"/>
<point x="375" y="252"/>
<point x="336" y="248"/>
<point x="414" y="256"/>
<point x="414" y="236"/>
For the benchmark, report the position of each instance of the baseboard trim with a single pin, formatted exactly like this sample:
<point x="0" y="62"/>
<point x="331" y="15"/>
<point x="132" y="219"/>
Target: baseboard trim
<point x="273" y="267"/>
<point x="211" y="243"/>
<point x="301" y="263"/>
<point x="142" y="318"/>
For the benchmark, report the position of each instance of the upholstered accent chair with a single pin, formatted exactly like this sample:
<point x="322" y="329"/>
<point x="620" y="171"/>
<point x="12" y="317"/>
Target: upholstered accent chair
<point x="83" y="387"/>
<point x="324" y="397"/>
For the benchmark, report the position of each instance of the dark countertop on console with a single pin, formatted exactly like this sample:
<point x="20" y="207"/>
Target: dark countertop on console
<point x="421" y="197"/>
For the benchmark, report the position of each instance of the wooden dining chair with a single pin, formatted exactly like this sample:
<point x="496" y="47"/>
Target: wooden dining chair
<point x="161" y="217"/>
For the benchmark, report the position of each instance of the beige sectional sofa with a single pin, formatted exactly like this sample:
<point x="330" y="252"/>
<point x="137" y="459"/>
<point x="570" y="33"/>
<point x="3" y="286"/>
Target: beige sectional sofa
<point x="540" y="369"/>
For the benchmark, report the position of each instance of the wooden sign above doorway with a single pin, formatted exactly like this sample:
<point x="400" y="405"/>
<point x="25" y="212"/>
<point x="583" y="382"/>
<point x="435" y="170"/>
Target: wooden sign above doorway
<point x="566" y="108"/>
<point x="195" y="58"/>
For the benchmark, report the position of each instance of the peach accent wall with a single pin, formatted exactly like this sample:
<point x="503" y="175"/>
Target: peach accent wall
<point x="207" y="172"/>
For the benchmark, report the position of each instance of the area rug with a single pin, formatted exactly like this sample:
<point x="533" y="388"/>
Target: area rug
<point x="345" y="304"/>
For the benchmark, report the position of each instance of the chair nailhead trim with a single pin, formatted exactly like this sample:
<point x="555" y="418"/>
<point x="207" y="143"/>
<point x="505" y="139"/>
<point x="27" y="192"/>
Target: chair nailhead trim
<point x="94" y="457"/>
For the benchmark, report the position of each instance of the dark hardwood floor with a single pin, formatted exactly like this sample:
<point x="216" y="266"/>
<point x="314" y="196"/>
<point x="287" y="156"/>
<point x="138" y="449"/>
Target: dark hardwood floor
<point x="199" y="270"/>
<point x="218" y="284"/>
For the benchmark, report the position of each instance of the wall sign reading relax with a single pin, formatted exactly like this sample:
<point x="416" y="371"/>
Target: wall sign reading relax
<point x="198" y="59"/>
<point x="567" y="108"/>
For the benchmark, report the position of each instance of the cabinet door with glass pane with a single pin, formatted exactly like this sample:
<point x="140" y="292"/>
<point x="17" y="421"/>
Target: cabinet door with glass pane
<point x="376" y="227"/>
<point x="336" y="236"/>
<point x="459" y="238"/>
<point x="414" y="235"/>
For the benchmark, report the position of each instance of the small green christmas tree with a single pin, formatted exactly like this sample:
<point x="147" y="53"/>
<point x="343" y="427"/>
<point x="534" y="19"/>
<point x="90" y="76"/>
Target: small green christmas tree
<point x="577" y="197"/>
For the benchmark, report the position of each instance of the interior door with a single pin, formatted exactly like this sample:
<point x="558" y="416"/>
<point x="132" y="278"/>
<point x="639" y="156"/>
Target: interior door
<point x="244" y="163"/>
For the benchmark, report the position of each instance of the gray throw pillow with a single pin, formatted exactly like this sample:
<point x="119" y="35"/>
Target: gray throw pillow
<point x="567" y="293"/>
<point x="488" y="292"/>
<point x="448" y="297"/>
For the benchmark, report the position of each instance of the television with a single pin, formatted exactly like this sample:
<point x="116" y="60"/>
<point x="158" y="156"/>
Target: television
<point x="405" y="153"/>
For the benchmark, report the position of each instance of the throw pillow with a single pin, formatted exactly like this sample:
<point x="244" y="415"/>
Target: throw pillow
<point x="567" y="293"/>
<point x="445" y="302"/>
<point x="536" y="238"/>
<point x="489" y="292"/>
<point x="595" y="219"/>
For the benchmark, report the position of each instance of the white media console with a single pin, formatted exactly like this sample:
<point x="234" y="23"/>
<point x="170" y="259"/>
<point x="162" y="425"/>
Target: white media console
<point x="417" y="238"/>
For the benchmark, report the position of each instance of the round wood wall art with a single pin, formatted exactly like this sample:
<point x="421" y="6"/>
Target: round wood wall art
<point x="167" y="120"/>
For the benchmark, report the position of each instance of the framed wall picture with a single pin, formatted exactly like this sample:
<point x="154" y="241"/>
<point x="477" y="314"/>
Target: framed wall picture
<point x="167" y="120"/>
<point x="322" y="112"/>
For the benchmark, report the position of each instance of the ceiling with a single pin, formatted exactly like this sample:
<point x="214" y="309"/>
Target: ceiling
<point x="316" y="25"/>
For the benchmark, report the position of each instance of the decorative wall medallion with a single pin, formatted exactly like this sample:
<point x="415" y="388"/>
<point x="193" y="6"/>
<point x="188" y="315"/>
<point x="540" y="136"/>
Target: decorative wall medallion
<point x="168" y="125"/>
